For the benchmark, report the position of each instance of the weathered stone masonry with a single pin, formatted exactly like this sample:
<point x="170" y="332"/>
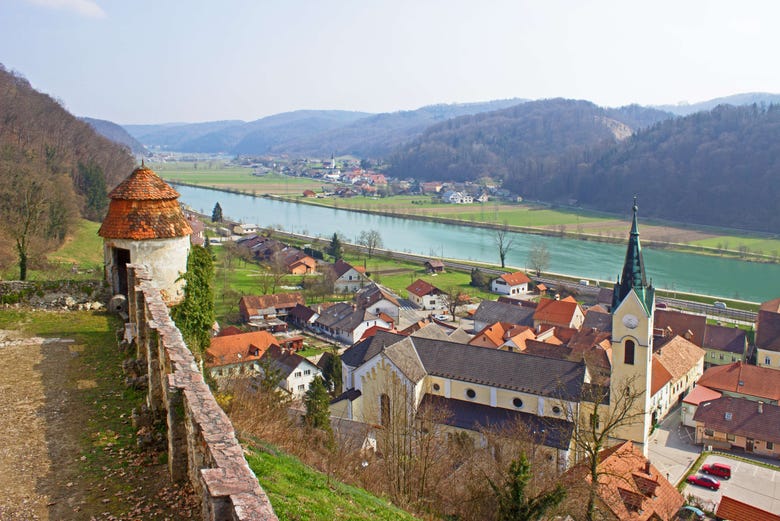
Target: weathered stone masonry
<point x="202" y="444"/>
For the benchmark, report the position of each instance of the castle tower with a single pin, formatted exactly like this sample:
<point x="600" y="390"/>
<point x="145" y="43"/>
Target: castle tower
<point x="145" y="225"/>
<point x="633" y="305"/>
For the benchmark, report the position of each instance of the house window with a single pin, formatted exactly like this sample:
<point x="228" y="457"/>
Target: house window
<point x="517" y="402"/>
<point x="436" y="387"/>
<point x="594" y="421"/>
<point x="767" y="360"/>
<point x="307" y="372"/>
<point x="556" y="409"/>
<point x="297" y="374"/>
<point x="709" y="432"/>
<point x="301" y="387"/>
<point x="770" y="445"/>
<point x="628" y="358"/>
<point x="384" y="409"/>
<point x="733" y="358"/>
<point x="730" y="437"/>
<point x="471" y="393"/>
<point x="721" y="356"/>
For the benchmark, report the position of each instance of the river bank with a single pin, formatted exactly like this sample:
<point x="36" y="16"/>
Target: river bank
<point x="742" y="254"/>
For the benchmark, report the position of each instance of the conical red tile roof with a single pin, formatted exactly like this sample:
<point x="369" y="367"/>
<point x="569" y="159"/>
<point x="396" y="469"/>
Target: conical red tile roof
<point x="143" y="206"/>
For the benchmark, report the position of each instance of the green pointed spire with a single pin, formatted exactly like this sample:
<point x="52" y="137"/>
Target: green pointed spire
<point x="633" y="276"/>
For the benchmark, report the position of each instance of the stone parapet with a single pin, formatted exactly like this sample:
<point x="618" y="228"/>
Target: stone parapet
<point x="202" y="444"/>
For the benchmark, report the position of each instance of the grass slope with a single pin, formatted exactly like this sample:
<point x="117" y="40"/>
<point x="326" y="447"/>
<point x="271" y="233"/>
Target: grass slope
<point x="298" y="492"/>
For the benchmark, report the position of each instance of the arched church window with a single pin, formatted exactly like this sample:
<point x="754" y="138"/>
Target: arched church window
<point x="629" y="353"/>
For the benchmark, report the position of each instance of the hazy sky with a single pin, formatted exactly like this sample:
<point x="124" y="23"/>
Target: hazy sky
<point x="140" y="61"/>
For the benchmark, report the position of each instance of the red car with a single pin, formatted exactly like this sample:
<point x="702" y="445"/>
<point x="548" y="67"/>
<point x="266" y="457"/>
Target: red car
<point x="721" y="470"/>
<point x="704" y="481"/>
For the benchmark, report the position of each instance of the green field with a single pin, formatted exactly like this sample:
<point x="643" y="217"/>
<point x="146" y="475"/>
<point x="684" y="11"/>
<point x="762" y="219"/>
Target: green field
<point x="217" y="175"/>
<point x="299" y="492"/>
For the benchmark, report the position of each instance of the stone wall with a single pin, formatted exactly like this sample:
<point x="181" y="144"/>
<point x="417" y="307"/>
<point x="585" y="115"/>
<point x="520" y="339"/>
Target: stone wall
<point x="60" y="294"/>
<point x="202" y="444"/>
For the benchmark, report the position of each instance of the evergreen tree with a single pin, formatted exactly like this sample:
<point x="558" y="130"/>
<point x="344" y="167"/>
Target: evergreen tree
<point x="331" y="373"/>
<point x="194" y="316"/>
<point x="512" y="499"/>
<point x="216" y="213"/>
<point x="335" y="249"/>
<point x="317" y="402"/>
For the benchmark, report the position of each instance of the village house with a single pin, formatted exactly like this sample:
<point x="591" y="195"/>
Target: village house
<point x="728" y="423"/>
<point x="379" y="300"/>
<point x="630" y="487"/>
<point x="677" y="365"/>
<point x="561" y="313"/>
<point x="692" y="400"/>
<point x="296" y="262"/>
<point x="348" y="278"/>
<point x="245" y="228"/>
<point x="426" y="296"/>
<point x="489" y="312"/>
<point x="234" y="355"/>
<point x="346" y="322"/>
<point x="302" y="316"/>
<point x="268" y="311"/>
<point x="434" y="266"/>
<point x="742" y="380"/>
<point x="768" y="334"/>
<point x="502" y="335"/>
<point x="453" y="197"/>
<point x="295" y="371"/>
<point x="724" y="345"/>
<point x="511" y="284"/>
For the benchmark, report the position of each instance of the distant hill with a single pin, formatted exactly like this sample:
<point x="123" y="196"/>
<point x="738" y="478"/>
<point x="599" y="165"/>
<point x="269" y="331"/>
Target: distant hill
<point x="376" y="136"/>
<point x="716" y="168"/>
<point x="117" y="134"/>
<point x="172" y="136"/>
<point x="524" y="144"/>
<point x="308" y="132"/>
<point x="749" y="98"/>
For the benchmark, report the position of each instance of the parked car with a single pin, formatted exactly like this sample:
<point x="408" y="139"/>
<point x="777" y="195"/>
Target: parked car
<point x="661" y="305"/>
<point x="721" y="470"/>
<point x="704" y="481"/>
<point x="720" y="305"/>
<point x="689" y="512"/>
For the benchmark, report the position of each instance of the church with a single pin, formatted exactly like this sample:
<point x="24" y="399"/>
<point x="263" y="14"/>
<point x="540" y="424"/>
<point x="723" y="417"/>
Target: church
<point x="475" y="387"/>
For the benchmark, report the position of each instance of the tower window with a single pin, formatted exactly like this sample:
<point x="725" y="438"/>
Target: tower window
<point x="471" y="393"/>
<point x="384" y="410"/>
<point x="629" y="353"/>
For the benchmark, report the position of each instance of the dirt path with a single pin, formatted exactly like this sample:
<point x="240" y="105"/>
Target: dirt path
<point x="26" y="461"/>
<point x="61" y="454"/>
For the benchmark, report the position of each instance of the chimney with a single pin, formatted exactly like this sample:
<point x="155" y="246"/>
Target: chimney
<point x="760" y="407"/>
<point x="647" y="466"/>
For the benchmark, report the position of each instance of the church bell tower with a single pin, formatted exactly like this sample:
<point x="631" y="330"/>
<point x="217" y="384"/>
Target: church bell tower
<point x="633" y="305"/>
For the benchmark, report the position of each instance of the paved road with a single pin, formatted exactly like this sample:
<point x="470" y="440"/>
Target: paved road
<point x="672" y="450"/>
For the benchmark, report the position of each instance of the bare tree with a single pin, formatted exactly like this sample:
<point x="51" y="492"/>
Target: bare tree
<point x="504" y="242"/>
<point x="595" y="426"/>
<point x="371" y="240"/>
<point x="538" y="258"/>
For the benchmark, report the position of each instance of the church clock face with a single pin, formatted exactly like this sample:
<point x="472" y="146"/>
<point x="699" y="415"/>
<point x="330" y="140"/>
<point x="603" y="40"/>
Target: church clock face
<point x="630" y="321"/>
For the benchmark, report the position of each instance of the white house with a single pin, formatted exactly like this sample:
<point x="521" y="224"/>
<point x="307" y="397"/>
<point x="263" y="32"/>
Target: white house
<point x="348" y="278"/>
<point x="426" y="296"/>
<point x="457" y="198"/>
<point x="346" y="322"/>
<point x="511" y="284"/>
<point x="378" y="300"/>
<point x="296" y="371"/>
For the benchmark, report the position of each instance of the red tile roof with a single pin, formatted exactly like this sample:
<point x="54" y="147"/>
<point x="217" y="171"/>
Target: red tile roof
<point x="234" y="349"/>
<point x="701" y="394"/>
<point x="659" y="376"/>
<point x="558" y="312"/>
<point x="516" y="278"/>
<point x="730" y="508"/>
<point x="144" y="206"/>
<point x="422" y="288"/>
<point x="632" y="488"/>
<point x="759" y="382"/>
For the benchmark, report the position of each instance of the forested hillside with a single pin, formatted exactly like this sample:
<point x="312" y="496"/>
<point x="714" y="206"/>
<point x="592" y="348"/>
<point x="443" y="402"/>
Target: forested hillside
<point x="117" y="134"/>
<point x="718" y="168"/>
<point x="53" y="168"/>
<point x="525" y="144"/>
